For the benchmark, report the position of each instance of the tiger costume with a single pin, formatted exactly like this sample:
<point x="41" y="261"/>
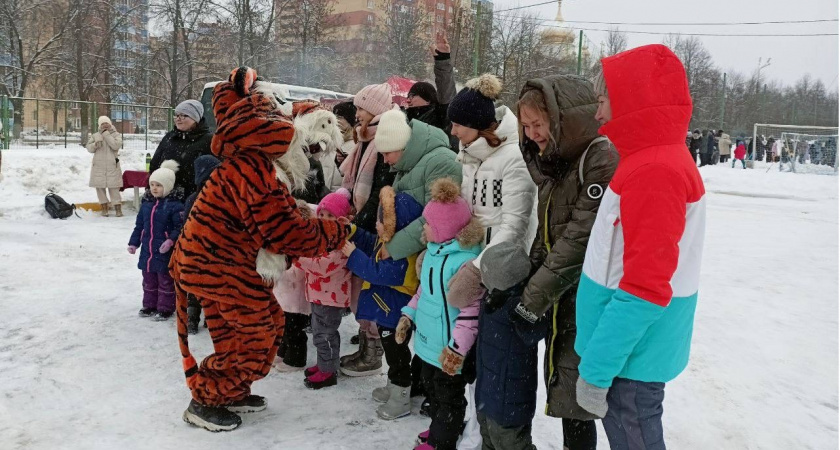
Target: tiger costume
<point x="242" y="224"/>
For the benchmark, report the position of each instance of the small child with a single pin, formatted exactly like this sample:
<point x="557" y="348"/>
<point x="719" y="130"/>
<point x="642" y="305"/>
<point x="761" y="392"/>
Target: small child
<point x="328" y="291"/>
<point x="445" y="334"/>
<point x="158" y="225"/>
<point x="506" y="352"/>
<point x="740" y="153"/>
<point x="204" y="165"/>
<point x="388" y="287"/>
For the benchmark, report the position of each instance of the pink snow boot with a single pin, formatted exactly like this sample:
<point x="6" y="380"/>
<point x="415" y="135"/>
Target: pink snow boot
<point x="321" y="380"/>
<point x="424" y="446"/>
<point x="310" y="371"/>
<point x="423" y="437"/>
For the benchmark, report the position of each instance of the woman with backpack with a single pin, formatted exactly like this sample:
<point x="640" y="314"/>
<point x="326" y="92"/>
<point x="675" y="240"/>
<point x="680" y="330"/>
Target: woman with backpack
<point x="105" y="172"/>
<point x="572" y="167"/>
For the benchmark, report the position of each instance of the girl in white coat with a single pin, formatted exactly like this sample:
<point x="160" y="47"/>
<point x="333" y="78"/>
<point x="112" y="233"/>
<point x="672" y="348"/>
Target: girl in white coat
<point x="105" y="172"/>
<point x="497" y="185"/>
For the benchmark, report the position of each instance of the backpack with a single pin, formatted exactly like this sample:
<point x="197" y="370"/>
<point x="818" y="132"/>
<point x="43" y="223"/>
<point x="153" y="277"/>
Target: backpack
<point x="58" y="208"/>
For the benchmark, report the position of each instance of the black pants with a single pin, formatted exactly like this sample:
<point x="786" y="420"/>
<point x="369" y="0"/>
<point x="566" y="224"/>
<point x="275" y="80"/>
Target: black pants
<point x="417" y="389"/>
<point x="579" y="434"/>
<point x="447" y="406"/>
<point x="693" y="156"/>
<point x="398" y="357"/>
<point x="193" y="309"/>
<point x="724" y="158"/>
<point x="497" y="437"/>
<point x="293" y="346"/>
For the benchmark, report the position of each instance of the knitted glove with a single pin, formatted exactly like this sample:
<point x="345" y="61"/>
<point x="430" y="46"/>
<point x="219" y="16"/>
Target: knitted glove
<point x="465" y="286"/>
<point x="450" y="361"/>
<point x="132" y="249"/>
<point x="166" y="246"/>
<point x="591" y="398"/>
<point x="523" y="316"/>
<point x="402" y="329"/>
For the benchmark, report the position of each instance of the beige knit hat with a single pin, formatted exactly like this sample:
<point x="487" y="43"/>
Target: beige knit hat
<point x="374" y="98"/>
<point x="393" y="132"/>
<point x="103" y="119"/>
<point x="599" y="84"/>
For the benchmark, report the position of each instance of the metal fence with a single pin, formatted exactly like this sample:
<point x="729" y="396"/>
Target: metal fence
<point x="47" y="123"/>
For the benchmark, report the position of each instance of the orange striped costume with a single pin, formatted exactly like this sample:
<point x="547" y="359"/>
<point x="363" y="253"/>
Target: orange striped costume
<point x="242" y="209"/>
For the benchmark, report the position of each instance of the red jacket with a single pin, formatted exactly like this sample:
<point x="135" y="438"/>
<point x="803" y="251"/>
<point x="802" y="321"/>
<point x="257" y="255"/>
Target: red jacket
<point x="741" y="151"/>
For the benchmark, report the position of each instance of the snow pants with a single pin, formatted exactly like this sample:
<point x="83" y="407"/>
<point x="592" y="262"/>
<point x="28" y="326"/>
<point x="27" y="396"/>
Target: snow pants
<point x="634" y="417"/>
<point x="743" y="163"/>
<point x="447" y="406"/>
<point x="325" y="336"/>
<point x="158" y="291"/>
<point x="245" y="342"/>
<point x="398" y="357"/>
<point x="497" y="437"/>
<point x="293" y="345"/>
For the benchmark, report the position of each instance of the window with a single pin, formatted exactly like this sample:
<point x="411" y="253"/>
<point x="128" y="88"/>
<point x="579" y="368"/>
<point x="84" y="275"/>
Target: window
<point x="371" y="4"/>
<point x="451" y="11"/>
<point x="441" y="7"/>
<point x="439" y="18"/>
<point x="370" y="18"/>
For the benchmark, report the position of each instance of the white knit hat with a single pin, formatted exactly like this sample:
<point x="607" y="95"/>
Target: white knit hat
<point x="165" y="175"/>
<point x="103" y="119"/>
<point x="393" y="132"/>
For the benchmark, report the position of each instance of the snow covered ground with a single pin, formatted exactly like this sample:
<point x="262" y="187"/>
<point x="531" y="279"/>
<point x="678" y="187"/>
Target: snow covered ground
<point x="80" y="370"/>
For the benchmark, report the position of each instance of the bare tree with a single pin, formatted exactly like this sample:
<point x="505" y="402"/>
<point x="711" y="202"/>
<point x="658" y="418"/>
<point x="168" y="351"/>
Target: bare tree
<point x="252" y="25"/>
<point x="616" y="42"/>
<point x="306" y="40"/>
<point x="406" y="36"/>
<point x="31" y="35"/>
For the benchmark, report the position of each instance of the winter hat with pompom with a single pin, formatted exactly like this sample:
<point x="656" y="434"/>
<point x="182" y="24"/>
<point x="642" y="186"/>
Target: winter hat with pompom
<point x="447" y="213"/>
<point x="165" y="175"/>
<point x="337" y="203"/>
<point x="393" y="132"/>
<point x="374" y="98"/>
<point x="474" y="106"/>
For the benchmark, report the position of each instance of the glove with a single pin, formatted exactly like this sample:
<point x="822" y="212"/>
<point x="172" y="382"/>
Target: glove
<point x="166" y="246"/>
<point x="465" y="286"/>
<point x="450" y="361"/>
<point x="523" y="316"/>
<point x="591" y="397"/>
<point x="495" y="300"/>
<point x="132" y="249"/>
<point x="402" y="329"/>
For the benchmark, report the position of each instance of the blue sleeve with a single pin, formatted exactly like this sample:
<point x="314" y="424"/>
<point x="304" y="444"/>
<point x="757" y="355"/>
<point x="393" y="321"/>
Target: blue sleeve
<point x="138" y="229"/>
<point x="176" y="221"/>
<point x="386" y="272"/>
<point x="625" y="320"/>
<point x="364" y="240"/>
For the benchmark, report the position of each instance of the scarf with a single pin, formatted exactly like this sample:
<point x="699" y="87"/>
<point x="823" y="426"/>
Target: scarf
<point x="358" y="169"/>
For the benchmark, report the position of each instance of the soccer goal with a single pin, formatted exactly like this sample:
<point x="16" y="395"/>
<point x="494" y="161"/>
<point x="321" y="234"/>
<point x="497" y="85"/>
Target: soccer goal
<point x="796" y="148"/>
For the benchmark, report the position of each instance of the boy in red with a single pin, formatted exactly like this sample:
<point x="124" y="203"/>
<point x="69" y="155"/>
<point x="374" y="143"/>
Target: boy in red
<point x="740" y="154"/>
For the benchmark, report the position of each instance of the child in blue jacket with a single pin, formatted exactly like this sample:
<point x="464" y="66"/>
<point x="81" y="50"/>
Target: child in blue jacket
<point x="388" y="287"/>
<point x="158" y="225"/>
<point x="444" y="334"/>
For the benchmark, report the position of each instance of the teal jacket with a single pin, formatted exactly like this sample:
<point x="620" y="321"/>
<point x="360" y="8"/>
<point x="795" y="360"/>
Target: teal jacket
<point x="433" y="317"/>
<point x="427" y="157"/>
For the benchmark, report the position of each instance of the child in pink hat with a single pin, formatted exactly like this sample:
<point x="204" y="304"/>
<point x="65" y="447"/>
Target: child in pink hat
<point x="328" y="291"/>
<point x="445" y="334"/>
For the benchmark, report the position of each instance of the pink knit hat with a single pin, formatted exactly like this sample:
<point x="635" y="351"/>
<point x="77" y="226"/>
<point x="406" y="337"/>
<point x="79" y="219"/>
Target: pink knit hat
<point x="337" y="203"/>
<point x="447" y="213"/>
<point x="375" y="98"/>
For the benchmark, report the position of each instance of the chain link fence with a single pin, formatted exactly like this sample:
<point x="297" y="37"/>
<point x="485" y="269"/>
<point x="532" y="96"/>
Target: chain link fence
<point x="34" y="123"/>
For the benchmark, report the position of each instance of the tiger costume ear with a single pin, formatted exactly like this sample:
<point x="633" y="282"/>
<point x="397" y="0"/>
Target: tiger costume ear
<point x="243" y="79"/>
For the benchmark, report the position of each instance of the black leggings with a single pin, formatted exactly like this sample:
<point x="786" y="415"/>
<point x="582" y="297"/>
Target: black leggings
<point x="579" y="434"/>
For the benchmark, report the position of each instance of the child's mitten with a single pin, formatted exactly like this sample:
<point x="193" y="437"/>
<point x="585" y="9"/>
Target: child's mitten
<point x="450" y="361"/>
<point x="402" y="329"/>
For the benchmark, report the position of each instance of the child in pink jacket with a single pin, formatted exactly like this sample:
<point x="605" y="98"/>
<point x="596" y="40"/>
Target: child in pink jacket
<point x="328" y="292"/>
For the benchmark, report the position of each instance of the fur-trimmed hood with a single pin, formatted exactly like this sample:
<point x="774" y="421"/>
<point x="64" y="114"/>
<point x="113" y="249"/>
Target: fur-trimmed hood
<point x="396" y="211"/>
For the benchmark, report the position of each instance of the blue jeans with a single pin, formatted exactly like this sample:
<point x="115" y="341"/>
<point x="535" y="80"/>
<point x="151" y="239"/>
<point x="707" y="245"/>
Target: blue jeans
<point x="634" y="417"/>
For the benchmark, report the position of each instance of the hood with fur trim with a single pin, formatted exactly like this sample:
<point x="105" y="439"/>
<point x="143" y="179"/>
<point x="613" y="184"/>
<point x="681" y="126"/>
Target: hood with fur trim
<point x="396" y="211"/>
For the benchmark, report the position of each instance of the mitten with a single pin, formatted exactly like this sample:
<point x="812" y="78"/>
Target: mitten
<point x="132" y="249"/>
<point x="450" y="361"/>
<point x="495" y="300"/>
<point x="166" y="246"/>
<point x="591" y="397"/>
<point x="465" y="286"/>
<point x="402" y="329"/>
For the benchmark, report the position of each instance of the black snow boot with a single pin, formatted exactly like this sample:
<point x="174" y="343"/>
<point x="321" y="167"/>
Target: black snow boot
<point x="249" y="404"/>
<point x="193" y="319"/>
<point x="211" y="418"/>
<point x="147" y="312"/>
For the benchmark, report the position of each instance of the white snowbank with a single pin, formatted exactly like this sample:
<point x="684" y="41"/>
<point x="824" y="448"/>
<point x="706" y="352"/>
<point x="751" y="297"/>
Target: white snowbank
<point x="81" y="371"/>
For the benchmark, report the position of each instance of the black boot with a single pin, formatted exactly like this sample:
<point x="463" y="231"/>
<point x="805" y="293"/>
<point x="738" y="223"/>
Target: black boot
<point x="193" y="318"/>
<point x="211" y="418"/>
<point x="249" y="404"/>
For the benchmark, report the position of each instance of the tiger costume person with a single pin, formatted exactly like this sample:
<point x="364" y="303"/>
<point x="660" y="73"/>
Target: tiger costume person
<point x="234" y="245"/>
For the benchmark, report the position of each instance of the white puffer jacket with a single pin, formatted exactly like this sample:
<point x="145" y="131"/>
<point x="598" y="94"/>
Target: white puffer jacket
<point x="499" y="188"/>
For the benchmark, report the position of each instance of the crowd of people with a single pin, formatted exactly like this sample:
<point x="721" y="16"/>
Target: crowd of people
<point x="458" y="232"/>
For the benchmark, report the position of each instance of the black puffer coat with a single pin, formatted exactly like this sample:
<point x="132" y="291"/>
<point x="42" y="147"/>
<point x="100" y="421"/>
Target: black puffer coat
<point x="183" y="147"/>
<point x="568" y="205"/>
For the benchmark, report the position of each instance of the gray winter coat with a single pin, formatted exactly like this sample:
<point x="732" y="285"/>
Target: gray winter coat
<point x="105" y="172"/>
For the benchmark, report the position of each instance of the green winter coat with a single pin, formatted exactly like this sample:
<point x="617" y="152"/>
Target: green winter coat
<point x="427" y="158"/>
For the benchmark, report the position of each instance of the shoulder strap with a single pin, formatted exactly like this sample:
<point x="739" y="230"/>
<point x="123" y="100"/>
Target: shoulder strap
<point x="583" y="157"/>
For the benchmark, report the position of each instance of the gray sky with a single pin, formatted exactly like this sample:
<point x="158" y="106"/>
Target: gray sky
<point x="791" y="57"/>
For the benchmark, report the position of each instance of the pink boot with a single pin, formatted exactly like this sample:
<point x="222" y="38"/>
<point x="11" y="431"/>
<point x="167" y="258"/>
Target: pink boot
<point x="424" y="446"/>
<point x="310" y="371"/>
<point x="423" y="437"/>
<point x="321" y="380"/>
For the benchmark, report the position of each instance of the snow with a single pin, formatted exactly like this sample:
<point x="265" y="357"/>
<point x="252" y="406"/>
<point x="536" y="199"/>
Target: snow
<point x="81" y="370"/>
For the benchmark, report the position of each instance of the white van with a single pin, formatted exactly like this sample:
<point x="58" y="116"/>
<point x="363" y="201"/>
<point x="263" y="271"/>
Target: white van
<point x="286" y="92"/>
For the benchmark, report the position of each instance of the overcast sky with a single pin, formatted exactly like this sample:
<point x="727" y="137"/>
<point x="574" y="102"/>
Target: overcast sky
<point x="791" y="57"/>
